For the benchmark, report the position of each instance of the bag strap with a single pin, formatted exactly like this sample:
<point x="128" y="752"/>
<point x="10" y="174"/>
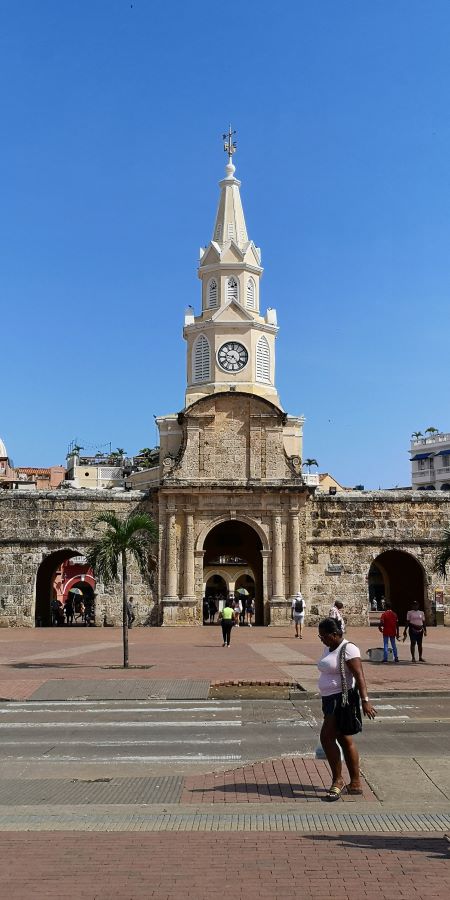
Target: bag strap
<point x="342" y="671"/>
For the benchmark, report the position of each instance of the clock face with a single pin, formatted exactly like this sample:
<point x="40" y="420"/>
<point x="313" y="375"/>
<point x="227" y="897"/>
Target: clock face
<point x="232" y="357"/>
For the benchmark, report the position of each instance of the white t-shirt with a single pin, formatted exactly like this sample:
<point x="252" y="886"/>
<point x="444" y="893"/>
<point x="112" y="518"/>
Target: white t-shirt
<point x="330" y="674"/>
<point x="415" y="617"/>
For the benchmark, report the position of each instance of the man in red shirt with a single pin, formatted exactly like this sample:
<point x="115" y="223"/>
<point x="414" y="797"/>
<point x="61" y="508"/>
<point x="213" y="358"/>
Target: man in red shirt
<point x="389" y="629"/>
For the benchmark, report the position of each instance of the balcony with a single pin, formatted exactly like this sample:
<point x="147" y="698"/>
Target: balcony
<point x="424" y="476"/>
<point x="430" y="440"/>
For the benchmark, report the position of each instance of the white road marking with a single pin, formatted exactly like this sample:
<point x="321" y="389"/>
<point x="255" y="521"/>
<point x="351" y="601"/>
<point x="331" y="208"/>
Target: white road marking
<point x="132" y="709"/>
<point x="389" y="718"/>
<point x="188" y="724"/>
<point x="94" y="742"/>
<point x="189" y="757"/>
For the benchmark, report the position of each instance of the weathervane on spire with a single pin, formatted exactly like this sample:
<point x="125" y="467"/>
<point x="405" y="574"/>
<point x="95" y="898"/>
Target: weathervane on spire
<point x="229" y="145"/>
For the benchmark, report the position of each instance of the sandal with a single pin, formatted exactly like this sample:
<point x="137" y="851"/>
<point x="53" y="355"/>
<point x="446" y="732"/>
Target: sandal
<point x="354" y="792"/>
<point x="334" y="793"/>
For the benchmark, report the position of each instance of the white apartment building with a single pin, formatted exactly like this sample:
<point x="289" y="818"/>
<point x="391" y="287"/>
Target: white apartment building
<point x="430" y="462"/>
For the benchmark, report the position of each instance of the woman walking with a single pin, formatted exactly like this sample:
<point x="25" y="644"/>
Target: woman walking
<point x="415" y="624"/>
<point x="341" y="678"/>
<point x="227" y="618"/>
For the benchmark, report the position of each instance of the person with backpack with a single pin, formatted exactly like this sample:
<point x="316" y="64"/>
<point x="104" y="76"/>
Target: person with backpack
<point x="298" y="614"/>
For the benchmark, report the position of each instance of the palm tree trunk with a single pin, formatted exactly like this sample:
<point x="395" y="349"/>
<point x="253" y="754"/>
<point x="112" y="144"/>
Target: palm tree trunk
<point x="125" y="609"/>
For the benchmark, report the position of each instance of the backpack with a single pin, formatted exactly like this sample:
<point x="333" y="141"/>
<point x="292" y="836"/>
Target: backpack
<point x="298" y="608"/>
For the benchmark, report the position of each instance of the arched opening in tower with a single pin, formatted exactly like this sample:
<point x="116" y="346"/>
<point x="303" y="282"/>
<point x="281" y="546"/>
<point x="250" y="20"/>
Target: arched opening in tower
<point x="233" y="549"/>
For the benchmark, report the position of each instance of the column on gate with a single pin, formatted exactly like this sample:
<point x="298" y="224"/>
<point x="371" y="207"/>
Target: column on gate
<point x="277" y="558"/>
<point x="171" y="557"/>
<point x="189" y="560"/>
<point x="294" y="552"/>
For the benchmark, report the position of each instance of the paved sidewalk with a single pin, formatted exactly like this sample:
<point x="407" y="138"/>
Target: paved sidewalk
<point x="241" y="866"/>
<point x="276" y="780"/>
<point x="31" y="659"/>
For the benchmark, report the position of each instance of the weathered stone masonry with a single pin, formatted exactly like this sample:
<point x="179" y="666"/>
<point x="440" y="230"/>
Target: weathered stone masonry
<point x="328" y="543"/>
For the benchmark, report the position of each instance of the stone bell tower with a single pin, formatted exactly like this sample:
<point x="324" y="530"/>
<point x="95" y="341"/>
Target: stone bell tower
<point x="231" y="343"/>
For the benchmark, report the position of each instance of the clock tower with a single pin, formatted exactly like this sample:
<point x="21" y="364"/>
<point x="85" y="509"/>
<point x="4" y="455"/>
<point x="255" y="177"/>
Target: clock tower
<point x="231" y="343"/>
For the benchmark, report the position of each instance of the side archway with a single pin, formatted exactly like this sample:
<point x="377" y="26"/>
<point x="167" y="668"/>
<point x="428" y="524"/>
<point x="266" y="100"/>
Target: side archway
<point x="45" y="583"/>
<point x="399" y="577"/>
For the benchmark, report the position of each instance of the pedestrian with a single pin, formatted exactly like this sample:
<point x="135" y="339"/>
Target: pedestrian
<point x="212" y="609"/>
<point x="390" y="630"/>
<point x="69" y="610"/>
<point x="416" y="625"/>
<point x="227" y="617"/>
<point x="205" y="610"/>
<point x="249" y="610"/>
<point x="298" y="614"/>
<point x="130" y="612"/>
<point x="87" y="611"/>
<point x="54" y="607"/>
<point x="335" y="613"/>
<point x="341" y="685"/>
<point x="237" y="609"/>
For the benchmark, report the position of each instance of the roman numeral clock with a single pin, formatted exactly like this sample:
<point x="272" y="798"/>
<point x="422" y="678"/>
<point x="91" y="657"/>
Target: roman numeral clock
<point x="232" y="356"/>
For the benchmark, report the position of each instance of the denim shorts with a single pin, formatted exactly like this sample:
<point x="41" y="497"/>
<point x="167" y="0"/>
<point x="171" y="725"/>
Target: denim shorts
<point x="330" y="703"/>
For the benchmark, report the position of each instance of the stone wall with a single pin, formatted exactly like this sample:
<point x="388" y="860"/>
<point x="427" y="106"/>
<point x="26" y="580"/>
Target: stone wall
<point x="34" y="526"/>
<point x="346" y="532"/>
<point x="327" y="542"/>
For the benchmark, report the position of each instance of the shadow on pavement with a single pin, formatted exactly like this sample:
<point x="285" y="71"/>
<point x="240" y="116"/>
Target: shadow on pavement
<point x="434" y="848"/>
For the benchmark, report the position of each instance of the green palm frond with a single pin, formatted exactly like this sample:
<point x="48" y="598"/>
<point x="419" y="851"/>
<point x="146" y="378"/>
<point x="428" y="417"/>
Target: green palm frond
<point x="131" y="535"/>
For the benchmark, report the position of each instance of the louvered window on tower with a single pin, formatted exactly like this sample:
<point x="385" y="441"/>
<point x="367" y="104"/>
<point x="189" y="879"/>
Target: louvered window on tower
<point x="212" y="293"/>
<point x="263" y="360"/>
<point x="232" y="289"/>
<point x="201" y="359"/>
<point x="251" y="294"/>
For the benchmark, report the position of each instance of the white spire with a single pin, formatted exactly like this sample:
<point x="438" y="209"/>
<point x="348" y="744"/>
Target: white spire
<point x="230" y="222"/>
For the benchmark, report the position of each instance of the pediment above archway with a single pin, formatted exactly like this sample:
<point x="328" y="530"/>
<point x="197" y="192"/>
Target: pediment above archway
<point x="232" y="438"/>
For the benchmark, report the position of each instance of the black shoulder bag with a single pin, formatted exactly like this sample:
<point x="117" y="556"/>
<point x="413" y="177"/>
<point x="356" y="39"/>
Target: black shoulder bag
<point x="348" y="711"/>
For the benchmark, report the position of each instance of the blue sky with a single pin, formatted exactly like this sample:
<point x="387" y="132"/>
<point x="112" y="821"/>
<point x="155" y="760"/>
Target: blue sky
<point x="111" y="116"/>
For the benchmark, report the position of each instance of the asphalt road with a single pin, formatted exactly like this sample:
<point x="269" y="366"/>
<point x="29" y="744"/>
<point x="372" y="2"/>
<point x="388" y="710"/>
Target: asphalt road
<point x="72" y="739"/>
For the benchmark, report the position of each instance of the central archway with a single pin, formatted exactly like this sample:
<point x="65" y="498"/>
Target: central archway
<point x="397" y="576"/>
<point x="233" y="548"/>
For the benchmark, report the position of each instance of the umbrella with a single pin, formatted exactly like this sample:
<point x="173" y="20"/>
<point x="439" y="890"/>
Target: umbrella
<point x="76" y="591"/>
<point x="243" y="591"/>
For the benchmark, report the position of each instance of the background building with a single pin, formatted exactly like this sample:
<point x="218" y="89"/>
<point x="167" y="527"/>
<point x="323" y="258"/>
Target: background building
<point x="430" y="462"/>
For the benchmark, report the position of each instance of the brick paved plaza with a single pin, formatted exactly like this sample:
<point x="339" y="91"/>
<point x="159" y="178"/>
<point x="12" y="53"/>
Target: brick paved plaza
<point x="30" y="658"/>
<point x="239" y="866"/>
<point x="250" y="830"/>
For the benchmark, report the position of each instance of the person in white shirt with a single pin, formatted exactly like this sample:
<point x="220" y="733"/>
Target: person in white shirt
<point x="335" y="613"/>
<point x="415" y="624"/>
<point x="331" y="687"/>
<point x="298" y="614"/>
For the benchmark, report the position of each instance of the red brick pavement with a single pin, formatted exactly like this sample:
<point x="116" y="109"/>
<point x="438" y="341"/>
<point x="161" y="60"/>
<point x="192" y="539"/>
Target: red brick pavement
<point x="29" y="657"/>
<point x="238" y="866"/>
<point x="275" y="780"/>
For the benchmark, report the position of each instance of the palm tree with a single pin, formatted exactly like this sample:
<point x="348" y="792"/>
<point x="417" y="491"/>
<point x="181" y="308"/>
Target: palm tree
<point x="431" y="430"/>
<point x="121" y="539"/>
<point x="442" y="558"/>
<point x="416" y="435"/>
<point x="310" y="462"/>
